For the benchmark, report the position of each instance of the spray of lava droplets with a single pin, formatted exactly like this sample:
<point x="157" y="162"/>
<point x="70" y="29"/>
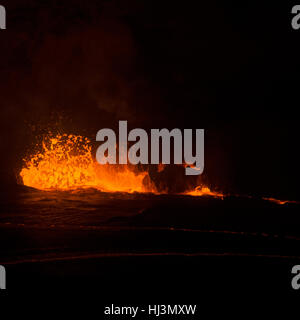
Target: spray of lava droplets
<point x="65" y="162"/>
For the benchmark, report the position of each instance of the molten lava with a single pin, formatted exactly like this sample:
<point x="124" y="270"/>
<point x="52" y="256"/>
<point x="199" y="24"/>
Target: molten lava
<point x="65" y="162"/>
<point x="204" y="191"/>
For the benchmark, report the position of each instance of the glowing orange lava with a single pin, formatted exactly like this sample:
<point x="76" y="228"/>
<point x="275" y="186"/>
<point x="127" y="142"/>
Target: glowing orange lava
<point x="280" y="201"/>
<point x="65" y="162"/>
<point x="204" y="191"/>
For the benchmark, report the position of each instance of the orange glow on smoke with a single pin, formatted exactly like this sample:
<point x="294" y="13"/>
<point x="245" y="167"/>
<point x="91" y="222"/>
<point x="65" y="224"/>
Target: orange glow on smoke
<point x="65" y="162"/>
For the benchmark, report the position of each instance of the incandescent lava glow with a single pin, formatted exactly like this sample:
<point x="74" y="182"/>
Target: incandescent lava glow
<point x="204" y="191"/>
<point x="65" y="162"/>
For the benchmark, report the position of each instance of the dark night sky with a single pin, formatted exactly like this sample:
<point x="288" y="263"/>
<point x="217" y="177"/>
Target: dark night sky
<point x="230" y="67"/>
